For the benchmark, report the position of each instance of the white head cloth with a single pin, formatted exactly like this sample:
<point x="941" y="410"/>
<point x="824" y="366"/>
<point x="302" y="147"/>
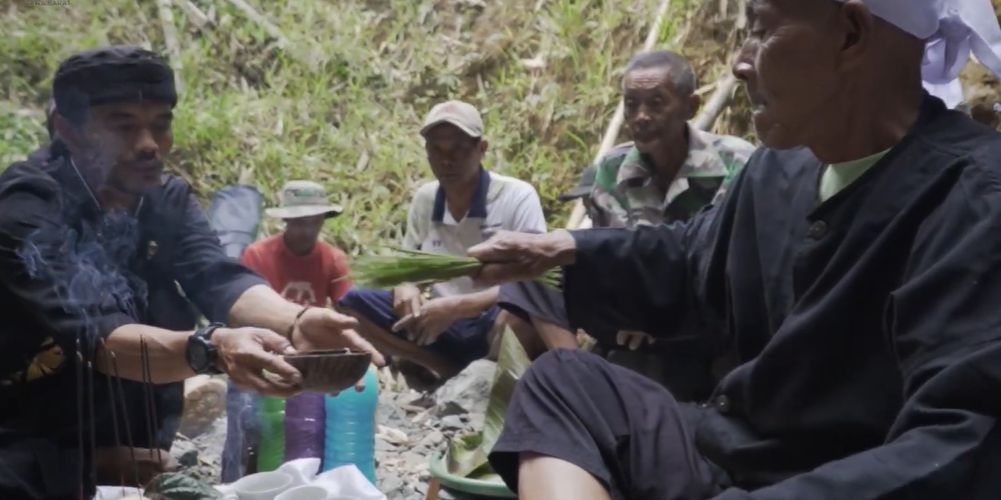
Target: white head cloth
<point x="953" y="30"/>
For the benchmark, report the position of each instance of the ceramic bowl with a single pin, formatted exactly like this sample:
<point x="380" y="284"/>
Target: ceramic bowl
<point x="262" y="486"/>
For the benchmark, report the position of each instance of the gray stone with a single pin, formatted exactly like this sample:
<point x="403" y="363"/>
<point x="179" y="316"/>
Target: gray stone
<point x="188" y="458"/>
<point x="450" y="408"/>
<point x="391" y="484"/>
<point x="381" y="445"/>
<point x="432" y="439"/>
<point x="452" y="422"/>
<point x="470" y="389"/>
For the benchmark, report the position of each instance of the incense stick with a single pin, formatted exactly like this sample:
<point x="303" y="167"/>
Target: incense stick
<point x="114" y="419"/>
<point x="93" y="422"/>
<point x="145" y="387"/>
<point x="125" y="418"/>
<point x="152" y="405"/>
<point x="79" y="413"/>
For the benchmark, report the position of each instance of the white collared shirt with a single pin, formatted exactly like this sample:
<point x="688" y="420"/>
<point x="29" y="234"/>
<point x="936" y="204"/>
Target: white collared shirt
<point x="500" y="203"/>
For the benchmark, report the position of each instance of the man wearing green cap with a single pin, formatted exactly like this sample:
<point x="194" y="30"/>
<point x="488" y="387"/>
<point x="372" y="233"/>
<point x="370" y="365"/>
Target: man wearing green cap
<point x="100" y="254"/>
<point x="296" y="264"/>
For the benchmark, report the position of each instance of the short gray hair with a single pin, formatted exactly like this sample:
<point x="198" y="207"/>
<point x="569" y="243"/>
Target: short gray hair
<point x="680" y="70"/>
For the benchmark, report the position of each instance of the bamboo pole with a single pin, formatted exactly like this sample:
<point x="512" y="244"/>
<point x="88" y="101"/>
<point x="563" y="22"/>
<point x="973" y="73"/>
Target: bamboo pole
<point x="195" y="14"/>
<point x="163" y="8"/>
<point x="612" y="132"/>
<point x="717" y="103"/>
<point x="255" y="16"/>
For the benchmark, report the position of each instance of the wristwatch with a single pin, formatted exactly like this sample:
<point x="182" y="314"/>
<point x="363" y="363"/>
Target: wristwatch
<point x="201" y="353"/>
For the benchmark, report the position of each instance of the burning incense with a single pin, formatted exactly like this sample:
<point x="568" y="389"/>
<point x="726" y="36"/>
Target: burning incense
<point x="93" y="422"/>
<point x="144" y="362"/>
<point x="125" y="417"/>
<point x="114" y="418"/>
<point x="152" y="404"/>
<point x="79" y="413"/>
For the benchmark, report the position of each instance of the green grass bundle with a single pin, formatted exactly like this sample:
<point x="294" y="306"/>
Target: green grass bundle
<point x="422" y="268"/>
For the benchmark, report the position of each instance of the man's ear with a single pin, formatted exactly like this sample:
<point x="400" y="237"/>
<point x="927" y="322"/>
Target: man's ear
<point x="483" y="146"/>
<point x="70" y="134"/>
<point x="694" y="103"/>
<point x="858" y="25"/>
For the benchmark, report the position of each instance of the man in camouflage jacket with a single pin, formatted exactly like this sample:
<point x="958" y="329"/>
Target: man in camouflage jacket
<point x="668" y="173"/>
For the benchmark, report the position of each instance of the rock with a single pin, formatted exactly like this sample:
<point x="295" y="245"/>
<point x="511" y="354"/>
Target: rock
<point x="450" y="408"/>
<point x="470" y="389"/>
<point x="381" y="445"/>
<point x="422" y="416"/>
<point x="204" y="403"/>
<point x="391" y="484"/>
<point x="188" y="458"/>
<point x="392" y="435"/>
<point x="432" y="439"/>
<point x="424" y="401"/>
<point x="452" y="422"/>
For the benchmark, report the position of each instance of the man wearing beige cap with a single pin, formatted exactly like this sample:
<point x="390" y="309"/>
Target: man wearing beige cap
<point x="464" y="206"/>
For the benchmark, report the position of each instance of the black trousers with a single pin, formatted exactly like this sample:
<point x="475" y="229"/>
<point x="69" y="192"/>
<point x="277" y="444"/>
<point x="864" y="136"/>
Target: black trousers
<point x="683" y="366"/>
<point x="624" y="429"/>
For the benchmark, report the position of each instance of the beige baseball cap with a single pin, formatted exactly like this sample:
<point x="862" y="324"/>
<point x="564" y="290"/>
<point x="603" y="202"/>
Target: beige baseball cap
<point x="458" y="113"/>
<point x="303" y="199"/>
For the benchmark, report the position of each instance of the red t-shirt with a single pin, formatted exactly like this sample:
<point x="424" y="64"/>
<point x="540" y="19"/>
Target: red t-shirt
<point x="309" y="280"/>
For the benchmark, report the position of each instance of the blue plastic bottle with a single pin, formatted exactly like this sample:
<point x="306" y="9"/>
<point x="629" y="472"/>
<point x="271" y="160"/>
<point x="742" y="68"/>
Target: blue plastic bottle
<point x="350" y="429"/>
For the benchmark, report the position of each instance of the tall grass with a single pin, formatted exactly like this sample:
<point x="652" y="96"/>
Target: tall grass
<point x="343" y="101"/>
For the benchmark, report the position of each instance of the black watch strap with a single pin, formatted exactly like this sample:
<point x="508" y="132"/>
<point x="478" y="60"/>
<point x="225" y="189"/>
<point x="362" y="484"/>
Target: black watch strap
<point x="202" y="340"/>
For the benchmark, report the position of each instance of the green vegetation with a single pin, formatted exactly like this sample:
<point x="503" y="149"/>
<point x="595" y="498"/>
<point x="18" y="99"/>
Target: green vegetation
<point x="423" y="268"/>
<point x="341" y="102"/>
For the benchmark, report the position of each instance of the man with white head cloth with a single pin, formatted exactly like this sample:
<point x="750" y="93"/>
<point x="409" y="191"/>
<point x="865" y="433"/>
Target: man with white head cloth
<point x="854" y="270"/>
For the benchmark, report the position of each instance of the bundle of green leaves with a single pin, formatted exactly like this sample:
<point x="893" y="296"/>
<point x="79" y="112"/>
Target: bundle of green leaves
<point x="423" y="268"/>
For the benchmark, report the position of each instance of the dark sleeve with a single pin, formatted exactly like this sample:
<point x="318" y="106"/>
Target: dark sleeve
<point x="944" y="326"/>
<point x="645" y="279"/>
<point x="210" y="278"/>
<point x="40" y="269"/>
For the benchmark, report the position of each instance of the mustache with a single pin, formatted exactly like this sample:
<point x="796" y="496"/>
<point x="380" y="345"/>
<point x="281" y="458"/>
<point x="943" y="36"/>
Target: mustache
<point x="645" y="132"/>
<point x="149" y="164"/>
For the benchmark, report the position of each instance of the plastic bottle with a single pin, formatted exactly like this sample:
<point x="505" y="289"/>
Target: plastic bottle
<point x="271" y="453"/>
<point x="305" y="419"/>
<point x="350" y="429"/>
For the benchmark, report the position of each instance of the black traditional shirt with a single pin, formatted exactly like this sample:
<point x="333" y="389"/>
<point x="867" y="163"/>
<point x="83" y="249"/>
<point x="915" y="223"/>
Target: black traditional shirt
<point x="868" y="326"/>
<point x="70" y="272"/>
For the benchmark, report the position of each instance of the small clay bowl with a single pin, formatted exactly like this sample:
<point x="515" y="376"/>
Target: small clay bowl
<point x="330" y="371"/>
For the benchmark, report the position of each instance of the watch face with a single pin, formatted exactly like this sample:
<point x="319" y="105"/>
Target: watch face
<point x="198" y="355"/>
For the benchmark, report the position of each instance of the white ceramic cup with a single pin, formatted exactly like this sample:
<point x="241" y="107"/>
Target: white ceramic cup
<point x="308" y="492"/>
<point x="262" y="486"/>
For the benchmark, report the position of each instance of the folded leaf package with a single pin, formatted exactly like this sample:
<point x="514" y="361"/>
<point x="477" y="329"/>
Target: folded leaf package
<point x="423" y="268"/>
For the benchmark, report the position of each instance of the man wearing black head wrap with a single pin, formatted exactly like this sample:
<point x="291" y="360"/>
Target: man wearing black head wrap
<point x="99" y="254"/>
<point x="853" y="270"/>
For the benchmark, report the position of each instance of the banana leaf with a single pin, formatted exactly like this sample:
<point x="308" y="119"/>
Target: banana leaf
<point x="467" y="454"/>
<point x="178" y="486"/>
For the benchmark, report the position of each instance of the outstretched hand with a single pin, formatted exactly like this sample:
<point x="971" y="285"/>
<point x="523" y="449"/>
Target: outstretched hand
<point x="321" y="328"/>
<point x="511" y="256"/>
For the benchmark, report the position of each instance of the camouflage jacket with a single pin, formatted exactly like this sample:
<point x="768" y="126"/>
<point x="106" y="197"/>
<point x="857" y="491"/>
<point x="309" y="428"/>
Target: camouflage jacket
<point x="625" y="194"/>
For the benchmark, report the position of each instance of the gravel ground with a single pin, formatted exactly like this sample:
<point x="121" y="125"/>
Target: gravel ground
<point x="412" y="429"/>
